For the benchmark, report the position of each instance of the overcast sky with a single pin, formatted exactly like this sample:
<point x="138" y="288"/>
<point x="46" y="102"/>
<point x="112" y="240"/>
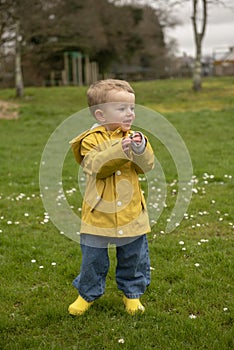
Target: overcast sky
<point x="219" y="32"/>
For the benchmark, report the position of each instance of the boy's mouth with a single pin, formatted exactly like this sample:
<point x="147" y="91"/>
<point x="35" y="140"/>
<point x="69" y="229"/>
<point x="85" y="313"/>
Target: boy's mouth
<point x="127" y="122"/>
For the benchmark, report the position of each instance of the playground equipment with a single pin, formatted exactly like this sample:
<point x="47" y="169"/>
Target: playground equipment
<point x="78" y="70"/>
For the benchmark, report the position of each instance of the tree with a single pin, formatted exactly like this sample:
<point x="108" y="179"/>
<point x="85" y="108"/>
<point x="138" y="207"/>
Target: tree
<point x="19" y="84"/>
<point x="13" y="13"/>
<point x="157" y="16"/>
<point x="198" y="37"/>
<point x="199" y="16"/>
<point x="109" y="34"/>
<point x="40" y="31"/>
<point x="22" y="21"/>
<point x="199" y="23"/>
<point x="139" y="45"/>
<point x="10" y="32"/>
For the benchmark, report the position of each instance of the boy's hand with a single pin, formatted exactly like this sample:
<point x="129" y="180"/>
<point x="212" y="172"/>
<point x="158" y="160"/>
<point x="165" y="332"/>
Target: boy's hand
<point x="126" y="144"/>
<point x="137" y="138"/>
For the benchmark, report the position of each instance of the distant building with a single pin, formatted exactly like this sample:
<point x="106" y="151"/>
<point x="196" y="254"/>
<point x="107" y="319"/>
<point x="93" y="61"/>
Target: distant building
<point x="224" y="62"/>
<point x="182" y="67"/>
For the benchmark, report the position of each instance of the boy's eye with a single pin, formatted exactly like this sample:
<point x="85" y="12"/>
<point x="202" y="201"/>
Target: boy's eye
<point x="122" y="109"/>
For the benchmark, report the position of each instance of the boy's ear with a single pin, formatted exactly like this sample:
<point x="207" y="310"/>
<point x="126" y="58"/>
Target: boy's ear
<point x="99" y="115"/>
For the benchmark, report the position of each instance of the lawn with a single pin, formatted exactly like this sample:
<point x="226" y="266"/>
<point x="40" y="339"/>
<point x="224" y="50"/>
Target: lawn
<point x="189" y="304"/>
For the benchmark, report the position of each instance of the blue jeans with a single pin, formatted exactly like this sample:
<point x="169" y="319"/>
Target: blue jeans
<point x="132" y="270"/>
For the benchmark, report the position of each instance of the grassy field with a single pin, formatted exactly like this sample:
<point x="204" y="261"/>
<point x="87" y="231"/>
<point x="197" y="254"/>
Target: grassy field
<point x="189" y="304"/>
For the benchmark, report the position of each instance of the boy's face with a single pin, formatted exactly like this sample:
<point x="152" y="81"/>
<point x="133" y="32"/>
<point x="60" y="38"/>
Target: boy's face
<point x="119" y="111"/>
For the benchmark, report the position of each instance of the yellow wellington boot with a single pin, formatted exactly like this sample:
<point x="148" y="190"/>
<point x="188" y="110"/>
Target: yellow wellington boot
<point x="79" y="306"/>
<point x="133" y="306"/>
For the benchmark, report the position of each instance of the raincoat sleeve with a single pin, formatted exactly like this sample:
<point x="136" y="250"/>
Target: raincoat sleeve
<point x="102" y="162"/>
<point x="144" y="162"/>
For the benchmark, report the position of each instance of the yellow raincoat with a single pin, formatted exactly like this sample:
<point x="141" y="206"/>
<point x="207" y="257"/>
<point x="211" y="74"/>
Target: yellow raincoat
<point x="113" y="204"/>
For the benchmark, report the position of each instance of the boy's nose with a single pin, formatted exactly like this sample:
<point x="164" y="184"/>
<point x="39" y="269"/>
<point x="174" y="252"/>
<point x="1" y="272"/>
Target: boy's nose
<point x="130" y="111"/>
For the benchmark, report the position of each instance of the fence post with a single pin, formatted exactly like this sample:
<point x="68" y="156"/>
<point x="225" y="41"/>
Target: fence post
<point x="66" y="69"/>
<point x="80" y="70"/>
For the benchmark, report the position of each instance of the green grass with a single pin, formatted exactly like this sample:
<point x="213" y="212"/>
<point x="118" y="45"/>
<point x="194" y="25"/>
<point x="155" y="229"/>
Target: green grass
<point x="34" y="300"/>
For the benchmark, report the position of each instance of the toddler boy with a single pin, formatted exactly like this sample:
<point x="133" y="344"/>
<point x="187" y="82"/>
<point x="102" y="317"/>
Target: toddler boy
<point x="114" y="209"/>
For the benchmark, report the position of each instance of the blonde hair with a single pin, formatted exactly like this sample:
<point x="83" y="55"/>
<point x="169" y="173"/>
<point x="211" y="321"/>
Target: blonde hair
<point x="98" y="92"/>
